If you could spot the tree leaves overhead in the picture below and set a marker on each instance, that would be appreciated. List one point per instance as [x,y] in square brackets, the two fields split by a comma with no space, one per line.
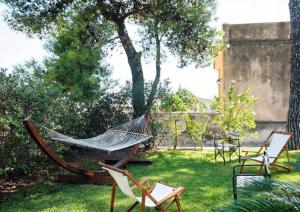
[184,29]
[178,27]
[188,31]
[183,25]
[77,62]
[35,17]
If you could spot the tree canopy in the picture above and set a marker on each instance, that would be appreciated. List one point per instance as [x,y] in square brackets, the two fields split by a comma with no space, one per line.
[180,101]
[76,62]
[178,27]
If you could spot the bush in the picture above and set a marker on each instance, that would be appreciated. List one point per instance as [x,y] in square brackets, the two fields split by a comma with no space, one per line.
[234,111]
[181,102]
[24,93]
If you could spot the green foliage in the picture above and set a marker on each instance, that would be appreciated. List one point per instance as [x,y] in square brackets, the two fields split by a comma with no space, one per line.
[234,111]
[86,29]
[183,101]
[24,93]
[183,28]
[173,103]
[77,63]
[197,129]
[267,195]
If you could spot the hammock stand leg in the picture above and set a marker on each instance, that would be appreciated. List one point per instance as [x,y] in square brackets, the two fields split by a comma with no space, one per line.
[78,175]
[137,161]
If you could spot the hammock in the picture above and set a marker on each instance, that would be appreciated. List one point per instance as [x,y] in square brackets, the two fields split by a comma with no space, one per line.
[111,140]
[117,138]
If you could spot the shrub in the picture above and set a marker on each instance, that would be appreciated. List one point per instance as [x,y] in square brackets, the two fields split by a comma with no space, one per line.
[25,93]
[183,101]
[234,111]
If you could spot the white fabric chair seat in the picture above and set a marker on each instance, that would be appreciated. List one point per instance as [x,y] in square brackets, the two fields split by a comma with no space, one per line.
[159,192]
[226,145]
[242,180]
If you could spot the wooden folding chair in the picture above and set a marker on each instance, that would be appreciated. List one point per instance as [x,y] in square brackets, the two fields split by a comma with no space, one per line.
[158,196]
[277,144]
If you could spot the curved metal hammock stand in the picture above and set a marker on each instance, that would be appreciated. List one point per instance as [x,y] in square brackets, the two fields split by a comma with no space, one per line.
[80,175]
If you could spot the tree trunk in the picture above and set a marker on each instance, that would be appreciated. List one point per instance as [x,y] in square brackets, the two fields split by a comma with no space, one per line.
[158,69]
[293,121]
[134,60]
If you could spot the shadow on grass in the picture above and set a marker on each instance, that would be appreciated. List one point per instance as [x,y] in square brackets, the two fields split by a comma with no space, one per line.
[207,184]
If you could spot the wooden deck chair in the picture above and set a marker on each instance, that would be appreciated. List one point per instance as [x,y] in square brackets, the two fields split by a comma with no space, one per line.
[158,196]
[277,144]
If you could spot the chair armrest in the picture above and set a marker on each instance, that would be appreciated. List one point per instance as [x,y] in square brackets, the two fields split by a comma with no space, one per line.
[245,165]
[177,191]
[247,158]
[250,151]
[146,181]
[253,151]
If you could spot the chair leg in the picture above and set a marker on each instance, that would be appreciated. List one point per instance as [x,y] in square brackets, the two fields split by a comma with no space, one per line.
[215,154]
[260,169]
[234,190]
[275,166]
[242,166]
[143,201]
[215,149]
[243,163]
[178,204]
[169,205]
[239,153]
[132,206]
[288,157]
[223,154]
[112,201]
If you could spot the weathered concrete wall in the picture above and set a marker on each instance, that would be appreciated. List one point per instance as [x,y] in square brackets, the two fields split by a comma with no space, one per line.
[258,57]
[261,132]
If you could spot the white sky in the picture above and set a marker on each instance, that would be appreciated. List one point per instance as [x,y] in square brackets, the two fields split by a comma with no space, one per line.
[16,48]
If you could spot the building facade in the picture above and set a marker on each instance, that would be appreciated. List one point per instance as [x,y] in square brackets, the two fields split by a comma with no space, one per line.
[257,56]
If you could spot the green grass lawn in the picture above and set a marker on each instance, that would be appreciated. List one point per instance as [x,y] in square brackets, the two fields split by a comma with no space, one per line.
[207,183]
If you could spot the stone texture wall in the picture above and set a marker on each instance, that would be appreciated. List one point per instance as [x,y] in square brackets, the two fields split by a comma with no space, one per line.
[257,56]
[253,139]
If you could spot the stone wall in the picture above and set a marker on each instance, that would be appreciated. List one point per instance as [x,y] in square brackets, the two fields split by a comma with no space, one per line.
[254,139]
[257,56]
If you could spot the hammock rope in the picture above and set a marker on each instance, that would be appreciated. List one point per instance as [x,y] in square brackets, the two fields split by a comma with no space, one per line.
[111,140]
